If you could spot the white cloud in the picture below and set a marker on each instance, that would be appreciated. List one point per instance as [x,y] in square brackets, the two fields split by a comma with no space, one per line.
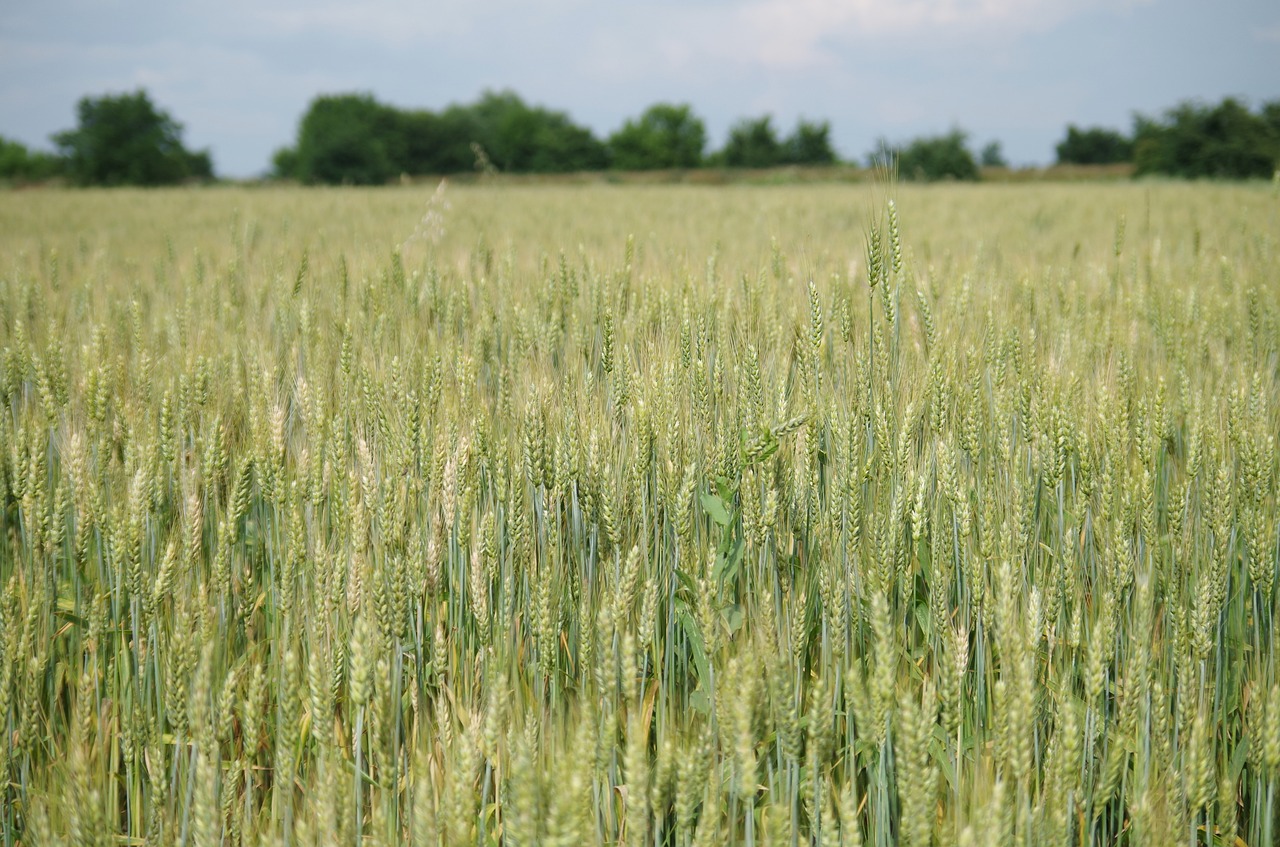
[394,23]
[774,34]
[810,35]
[1270,34]
[802,34]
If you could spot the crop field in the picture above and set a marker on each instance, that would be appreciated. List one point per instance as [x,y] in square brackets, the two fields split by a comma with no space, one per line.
[644,515]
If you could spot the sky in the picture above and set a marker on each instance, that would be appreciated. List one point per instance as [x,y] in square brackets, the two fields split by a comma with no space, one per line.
[239,74]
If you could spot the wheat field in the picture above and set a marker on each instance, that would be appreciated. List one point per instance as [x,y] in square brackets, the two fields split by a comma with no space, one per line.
[645,515]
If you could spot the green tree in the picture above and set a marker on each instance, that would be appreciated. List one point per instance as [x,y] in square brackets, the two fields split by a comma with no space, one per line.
[13,159]
[522,138]
[284,163]
[1223,141]
[20,164]
[352,138]
[993,156]
[124,139]
[348,138]
[1270,113]
[438,143]
[809,144]
[930,158]
[1094,146]
[665,136]
[753,143]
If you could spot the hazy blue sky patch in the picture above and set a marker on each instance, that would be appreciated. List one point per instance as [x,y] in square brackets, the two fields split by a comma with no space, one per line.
[239,74]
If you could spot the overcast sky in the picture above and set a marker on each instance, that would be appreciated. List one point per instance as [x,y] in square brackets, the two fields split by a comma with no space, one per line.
[238,74]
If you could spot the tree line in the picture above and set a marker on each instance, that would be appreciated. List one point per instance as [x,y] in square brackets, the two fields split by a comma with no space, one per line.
[1191,140]
[125,139]
[119,139]
[352,138]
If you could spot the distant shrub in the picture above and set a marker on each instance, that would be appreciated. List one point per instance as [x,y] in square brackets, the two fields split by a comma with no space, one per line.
[931,158]
[665,136]
[1094,146]
[20,164]
[993,156]
[124,139]
[346,138]
[753,143]
[1223,141]
[809,144]
[352,138]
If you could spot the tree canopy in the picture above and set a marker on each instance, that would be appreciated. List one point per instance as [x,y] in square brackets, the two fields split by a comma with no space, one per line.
[929,158]
[665,136]
[518,137]
[124,139]
[352,138]
[1195,140]
[1094,146]
[20,164]
[754,143]
[809,144]
[347,138]
[992,156]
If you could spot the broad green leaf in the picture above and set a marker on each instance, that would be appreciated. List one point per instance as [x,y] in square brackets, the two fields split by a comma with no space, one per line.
[696,644]
[715,507]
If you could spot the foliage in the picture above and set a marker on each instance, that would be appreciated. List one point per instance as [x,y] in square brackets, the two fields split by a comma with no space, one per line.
[1094,146]
[284,163]
[522,138]
[809,144]
[993,156]
[752,143]
[1194,140]
[352,138]
[347,138]
[20,164]
[124,139]
[930,158]
[665,136]
[439,142]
